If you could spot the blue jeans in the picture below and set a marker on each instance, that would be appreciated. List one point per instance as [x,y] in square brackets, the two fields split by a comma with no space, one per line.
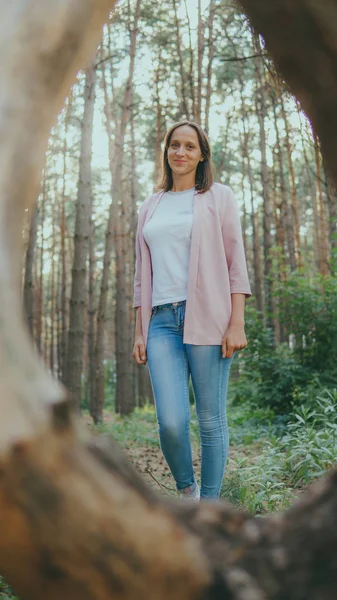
[171,363]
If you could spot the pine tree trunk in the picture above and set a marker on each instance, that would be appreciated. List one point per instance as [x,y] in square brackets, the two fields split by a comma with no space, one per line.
[289,223]
[293,193]
[39,315]
[184,99]
[191,76]
[323,248]
[160,126]
[114,235]
[28,287]
[258,285]
[91,319]
[145,393]
[261,112]
[313,199]
[63,292]
[209,87]
[330,190]
[74,361]
[199,64]
[52,294]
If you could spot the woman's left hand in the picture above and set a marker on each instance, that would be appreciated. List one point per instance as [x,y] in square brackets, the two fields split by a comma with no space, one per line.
[235,339]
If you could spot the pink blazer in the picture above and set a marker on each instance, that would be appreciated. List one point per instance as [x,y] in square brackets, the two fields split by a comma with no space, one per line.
[217,266]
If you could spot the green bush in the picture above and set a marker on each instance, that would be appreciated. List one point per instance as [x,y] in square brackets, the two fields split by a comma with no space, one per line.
[280,376]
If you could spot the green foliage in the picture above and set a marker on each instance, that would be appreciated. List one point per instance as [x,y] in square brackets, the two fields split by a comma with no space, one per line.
[311,440]
[138,428]
[280,376]
[6,592]
[308,309]
[270,477]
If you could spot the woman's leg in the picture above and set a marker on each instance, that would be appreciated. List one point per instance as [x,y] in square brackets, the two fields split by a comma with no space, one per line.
[169,376]
[210,374]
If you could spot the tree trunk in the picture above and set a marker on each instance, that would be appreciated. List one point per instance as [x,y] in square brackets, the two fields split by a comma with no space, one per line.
[199,64]
[191,76]
[258,286]
[52,292]
[284,196]
[300,37]
[209,87]
[28,287]
[74,362]
[114,235]
[184,99]
[315,225]
[292,182]
[39,315]
[160,125]
[330,190]
[91,319]
[63,293]
[145,393]
[261,112]
[323,247]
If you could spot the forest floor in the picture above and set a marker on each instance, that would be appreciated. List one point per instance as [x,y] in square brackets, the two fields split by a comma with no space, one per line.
[251,433]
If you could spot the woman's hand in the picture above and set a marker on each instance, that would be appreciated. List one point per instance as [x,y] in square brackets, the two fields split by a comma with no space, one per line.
[235,339]
[139,351]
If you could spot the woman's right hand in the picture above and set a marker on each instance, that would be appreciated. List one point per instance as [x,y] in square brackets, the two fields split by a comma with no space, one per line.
[139,353]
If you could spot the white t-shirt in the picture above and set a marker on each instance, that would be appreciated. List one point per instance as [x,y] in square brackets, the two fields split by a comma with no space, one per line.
[168,235]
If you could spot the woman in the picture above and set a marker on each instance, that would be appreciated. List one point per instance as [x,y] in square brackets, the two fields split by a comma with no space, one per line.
[190,287]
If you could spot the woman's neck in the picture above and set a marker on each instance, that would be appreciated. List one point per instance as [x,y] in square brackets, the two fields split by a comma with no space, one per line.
[181,184]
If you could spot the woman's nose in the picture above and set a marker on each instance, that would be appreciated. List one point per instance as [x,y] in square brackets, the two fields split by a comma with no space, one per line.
[180,151]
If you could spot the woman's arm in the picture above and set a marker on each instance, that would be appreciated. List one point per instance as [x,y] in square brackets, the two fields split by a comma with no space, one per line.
[139,352]
[235,337]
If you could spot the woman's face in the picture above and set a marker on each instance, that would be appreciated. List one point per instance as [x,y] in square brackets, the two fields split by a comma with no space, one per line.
[184,152]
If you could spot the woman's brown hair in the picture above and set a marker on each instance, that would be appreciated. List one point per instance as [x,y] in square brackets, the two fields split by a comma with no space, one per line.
[204,175]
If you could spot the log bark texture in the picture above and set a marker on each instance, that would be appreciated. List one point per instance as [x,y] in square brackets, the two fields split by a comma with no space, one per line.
[300,36]
[76,521]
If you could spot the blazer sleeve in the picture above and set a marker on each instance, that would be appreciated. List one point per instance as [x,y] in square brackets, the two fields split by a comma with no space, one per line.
[233,244]
[137,285]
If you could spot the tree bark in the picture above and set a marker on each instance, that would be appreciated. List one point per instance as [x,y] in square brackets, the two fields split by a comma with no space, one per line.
[184,99]
[258,286]
[63,291]
[91,322]
[292,183]
[199,63]
[114,236]
[209,87]
[28,287]
[300,37]
[74,362]
[261,112]
[191,64]
[323,247]
[284,205]
[39,315]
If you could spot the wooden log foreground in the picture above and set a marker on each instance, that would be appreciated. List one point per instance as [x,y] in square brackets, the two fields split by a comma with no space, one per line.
[76,521]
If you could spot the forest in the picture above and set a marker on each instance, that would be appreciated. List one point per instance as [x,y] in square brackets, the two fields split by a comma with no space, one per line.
[158,63]
[155,66]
